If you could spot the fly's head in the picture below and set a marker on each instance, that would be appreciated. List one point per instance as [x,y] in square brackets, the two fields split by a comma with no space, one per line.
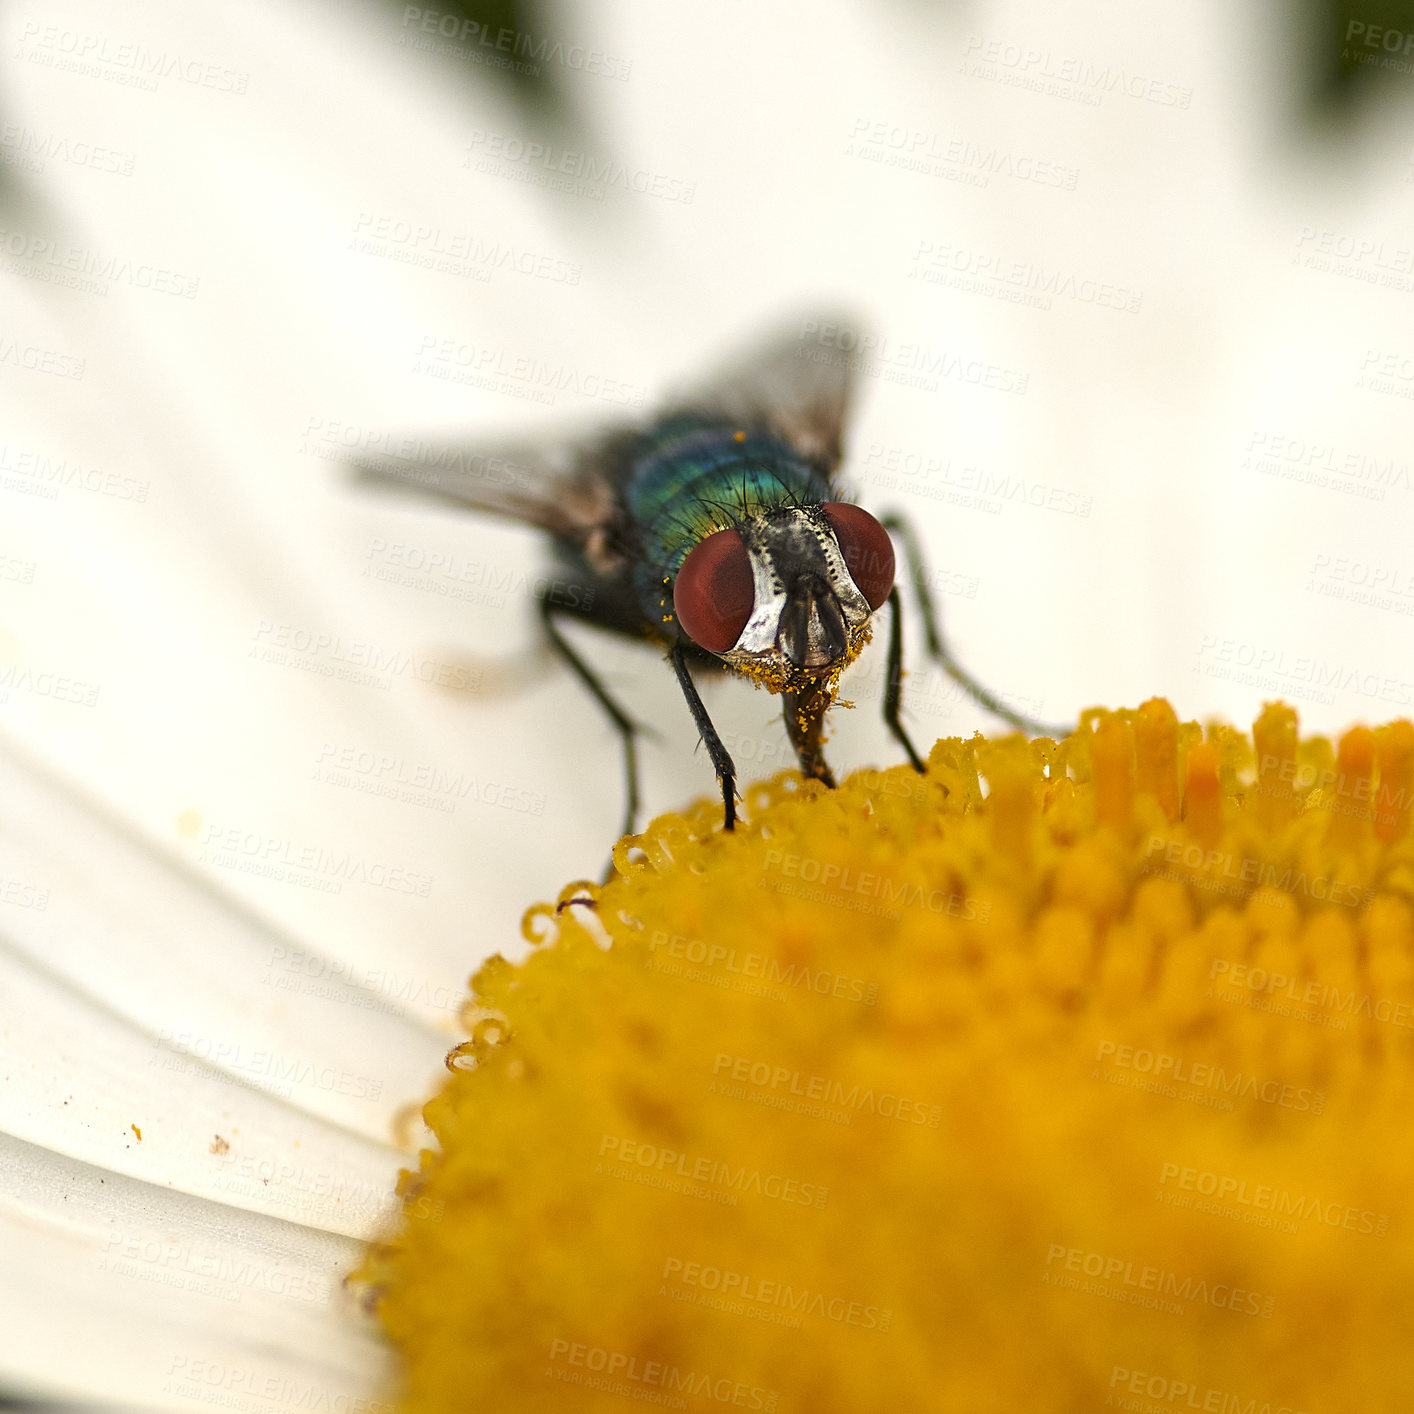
[786,597]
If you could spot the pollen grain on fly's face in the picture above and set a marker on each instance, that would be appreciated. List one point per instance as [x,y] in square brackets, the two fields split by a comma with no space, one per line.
[1065,1075]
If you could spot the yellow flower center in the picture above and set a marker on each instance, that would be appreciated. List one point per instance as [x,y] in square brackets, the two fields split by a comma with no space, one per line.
[1067,1076]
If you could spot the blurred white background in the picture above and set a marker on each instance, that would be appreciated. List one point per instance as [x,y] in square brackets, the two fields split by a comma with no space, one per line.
[1146,384]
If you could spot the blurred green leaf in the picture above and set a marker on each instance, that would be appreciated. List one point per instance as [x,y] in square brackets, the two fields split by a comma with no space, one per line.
[1356,40]
[518,26]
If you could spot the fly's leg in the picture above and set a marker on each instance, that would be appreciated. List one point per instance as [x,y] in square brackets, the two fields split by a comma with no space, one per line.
[805,721]
[721,760]
[625,725]
[939,653]
[893,685]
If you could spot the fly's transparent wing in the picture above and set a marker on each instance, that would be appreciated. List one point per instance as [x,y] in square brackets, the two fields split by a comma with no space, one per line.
[797,384]
[565,486]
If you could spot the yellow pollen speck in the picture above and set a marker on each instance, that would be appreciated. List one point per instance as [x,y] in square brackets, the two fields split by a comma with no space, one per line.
[1068,1075]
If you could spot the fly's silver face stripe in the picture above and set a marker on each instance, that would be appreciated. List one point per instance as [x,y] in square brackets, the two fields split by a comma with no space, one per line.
[758,638]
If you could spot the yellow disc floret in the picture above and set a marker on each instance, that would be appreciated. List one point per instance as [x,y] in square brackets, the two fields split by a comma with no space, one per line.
[1066,1076]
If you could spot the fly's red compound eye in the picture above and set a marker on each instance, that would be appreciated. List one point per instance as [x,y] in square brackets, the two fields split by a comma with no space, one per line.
[715,592]
[868,552]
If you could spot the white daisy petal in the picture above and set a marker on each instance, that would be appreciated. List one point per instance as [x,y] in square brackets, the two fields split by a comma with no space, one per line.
[189,1160]
[142,937]
[123,1291]
[87,1084]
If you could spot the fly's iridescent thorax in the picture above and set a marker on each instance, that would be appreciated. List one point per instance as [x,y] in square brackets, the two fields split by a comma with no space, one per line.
[697,476]
[692,476]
